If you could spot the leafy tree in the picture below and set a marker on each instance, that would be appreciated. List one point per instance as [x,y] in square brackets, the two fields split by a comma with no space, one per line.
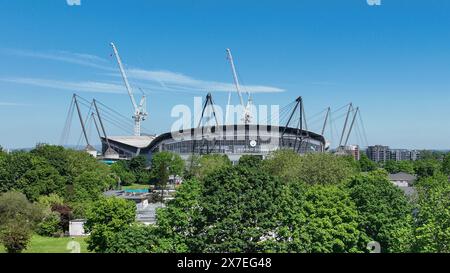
[365,164]
[174,223]
[431,155]
[432,229]
[80,162]
[135,238]
[446,164]
[15,205]
[121,169]
[40,179]
[238,209]
[50,225]
[209,164]
[385,215]
[90,185]
[56,156]
[192,166]
[284,164]
[315,219]
[250,161]
[49,200]
[173,162]
[399,166]
[15,235]
[163,165]
[65,215]
[137,166]
[427,168]
[12,168]
[311,168]
[106,217]
[18,218]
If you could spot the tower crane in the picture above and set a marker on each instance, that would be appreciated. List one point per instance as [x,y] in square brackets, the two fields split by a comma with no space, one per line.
[140,112]
[247,107]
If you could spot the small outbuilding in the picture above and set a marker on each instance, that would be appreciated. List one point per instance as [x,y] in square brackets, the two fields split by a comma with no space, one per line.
[402,179]
[76,228]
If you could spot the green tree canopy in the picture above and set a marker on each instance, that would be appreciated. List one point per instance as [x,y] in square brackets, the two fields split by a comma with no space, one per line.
[385,215]
[427,167]
[121,169]
[175,222]
[134,238]
[209,164]
[238,209]
[316,219]
[90,185]
[171,162]
[446,164]
[314,168]
[250,161]
[18,218]
[405,166]
[365,164]
[106,217]
[432,229]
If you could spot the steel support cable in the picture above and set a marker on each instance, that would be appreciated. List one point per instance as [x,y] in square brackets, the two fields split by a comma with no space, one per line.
[363,128]
[117,121]
[280,113]
[67,124]
[358,133]
[127,130]
[342,108]
[125,120]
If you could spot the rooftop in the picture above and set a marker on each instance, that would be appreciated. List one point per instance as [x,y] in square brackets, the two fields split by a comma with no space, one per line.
[134,141]
[402,177]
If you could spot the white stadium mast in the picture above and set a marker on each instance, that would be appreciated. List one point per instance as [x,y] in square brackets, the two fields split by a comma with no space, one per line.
[140,112]
[247,108]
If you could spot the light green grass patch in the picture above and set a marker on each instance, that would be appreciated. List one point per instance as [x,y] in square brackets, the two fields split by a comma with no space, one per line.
[41,244]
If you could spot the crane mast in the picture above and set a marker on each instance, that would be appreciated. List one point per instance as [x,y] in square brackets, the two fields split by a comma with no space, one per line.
[247,113]
[140,112]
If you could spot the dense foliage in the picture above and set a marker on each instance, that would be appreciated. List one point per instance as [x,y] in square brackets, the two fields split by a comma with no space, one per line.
[18,217]
[286,203]
[105,218]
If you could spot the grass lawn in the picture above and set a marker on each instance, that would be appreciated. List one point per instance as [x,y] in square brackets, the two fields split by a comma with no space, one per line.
[41,244]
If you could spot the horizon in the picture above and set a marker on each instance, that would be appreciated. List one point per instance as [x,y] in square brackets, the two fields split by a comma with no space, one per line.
[390,60]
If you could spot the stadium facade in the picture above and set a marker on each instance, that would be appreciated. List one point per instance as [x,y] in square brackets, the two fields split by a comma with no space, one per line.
[231,140]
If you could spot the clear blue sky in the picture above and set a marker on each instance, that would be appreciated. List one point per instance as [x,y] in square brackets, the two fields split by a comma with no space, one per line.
[392,60]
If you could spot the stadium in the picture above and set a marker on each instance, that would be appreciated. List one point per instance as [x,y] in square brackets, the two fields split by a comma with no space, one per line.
[234,139]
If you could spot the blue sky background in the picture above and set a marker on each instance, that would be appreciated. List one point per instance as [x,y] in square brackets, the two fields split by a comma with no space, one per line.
[393,61]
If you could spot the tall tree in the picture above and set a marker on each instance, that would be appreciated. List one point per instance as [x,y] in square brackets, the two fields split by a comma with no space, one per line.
[238,210]
[175,229]
[311,168]
[18,218]
[405,166]
[315,219]
[446,164]
[106,217]
[432,229]
[427,168]
[385,214]
[365,164]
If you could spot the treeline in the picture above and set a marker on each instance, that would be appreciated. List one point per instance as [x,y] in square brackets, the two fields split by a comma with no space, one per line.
[317,203]
[42,190]
[429,164]
[286,203]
